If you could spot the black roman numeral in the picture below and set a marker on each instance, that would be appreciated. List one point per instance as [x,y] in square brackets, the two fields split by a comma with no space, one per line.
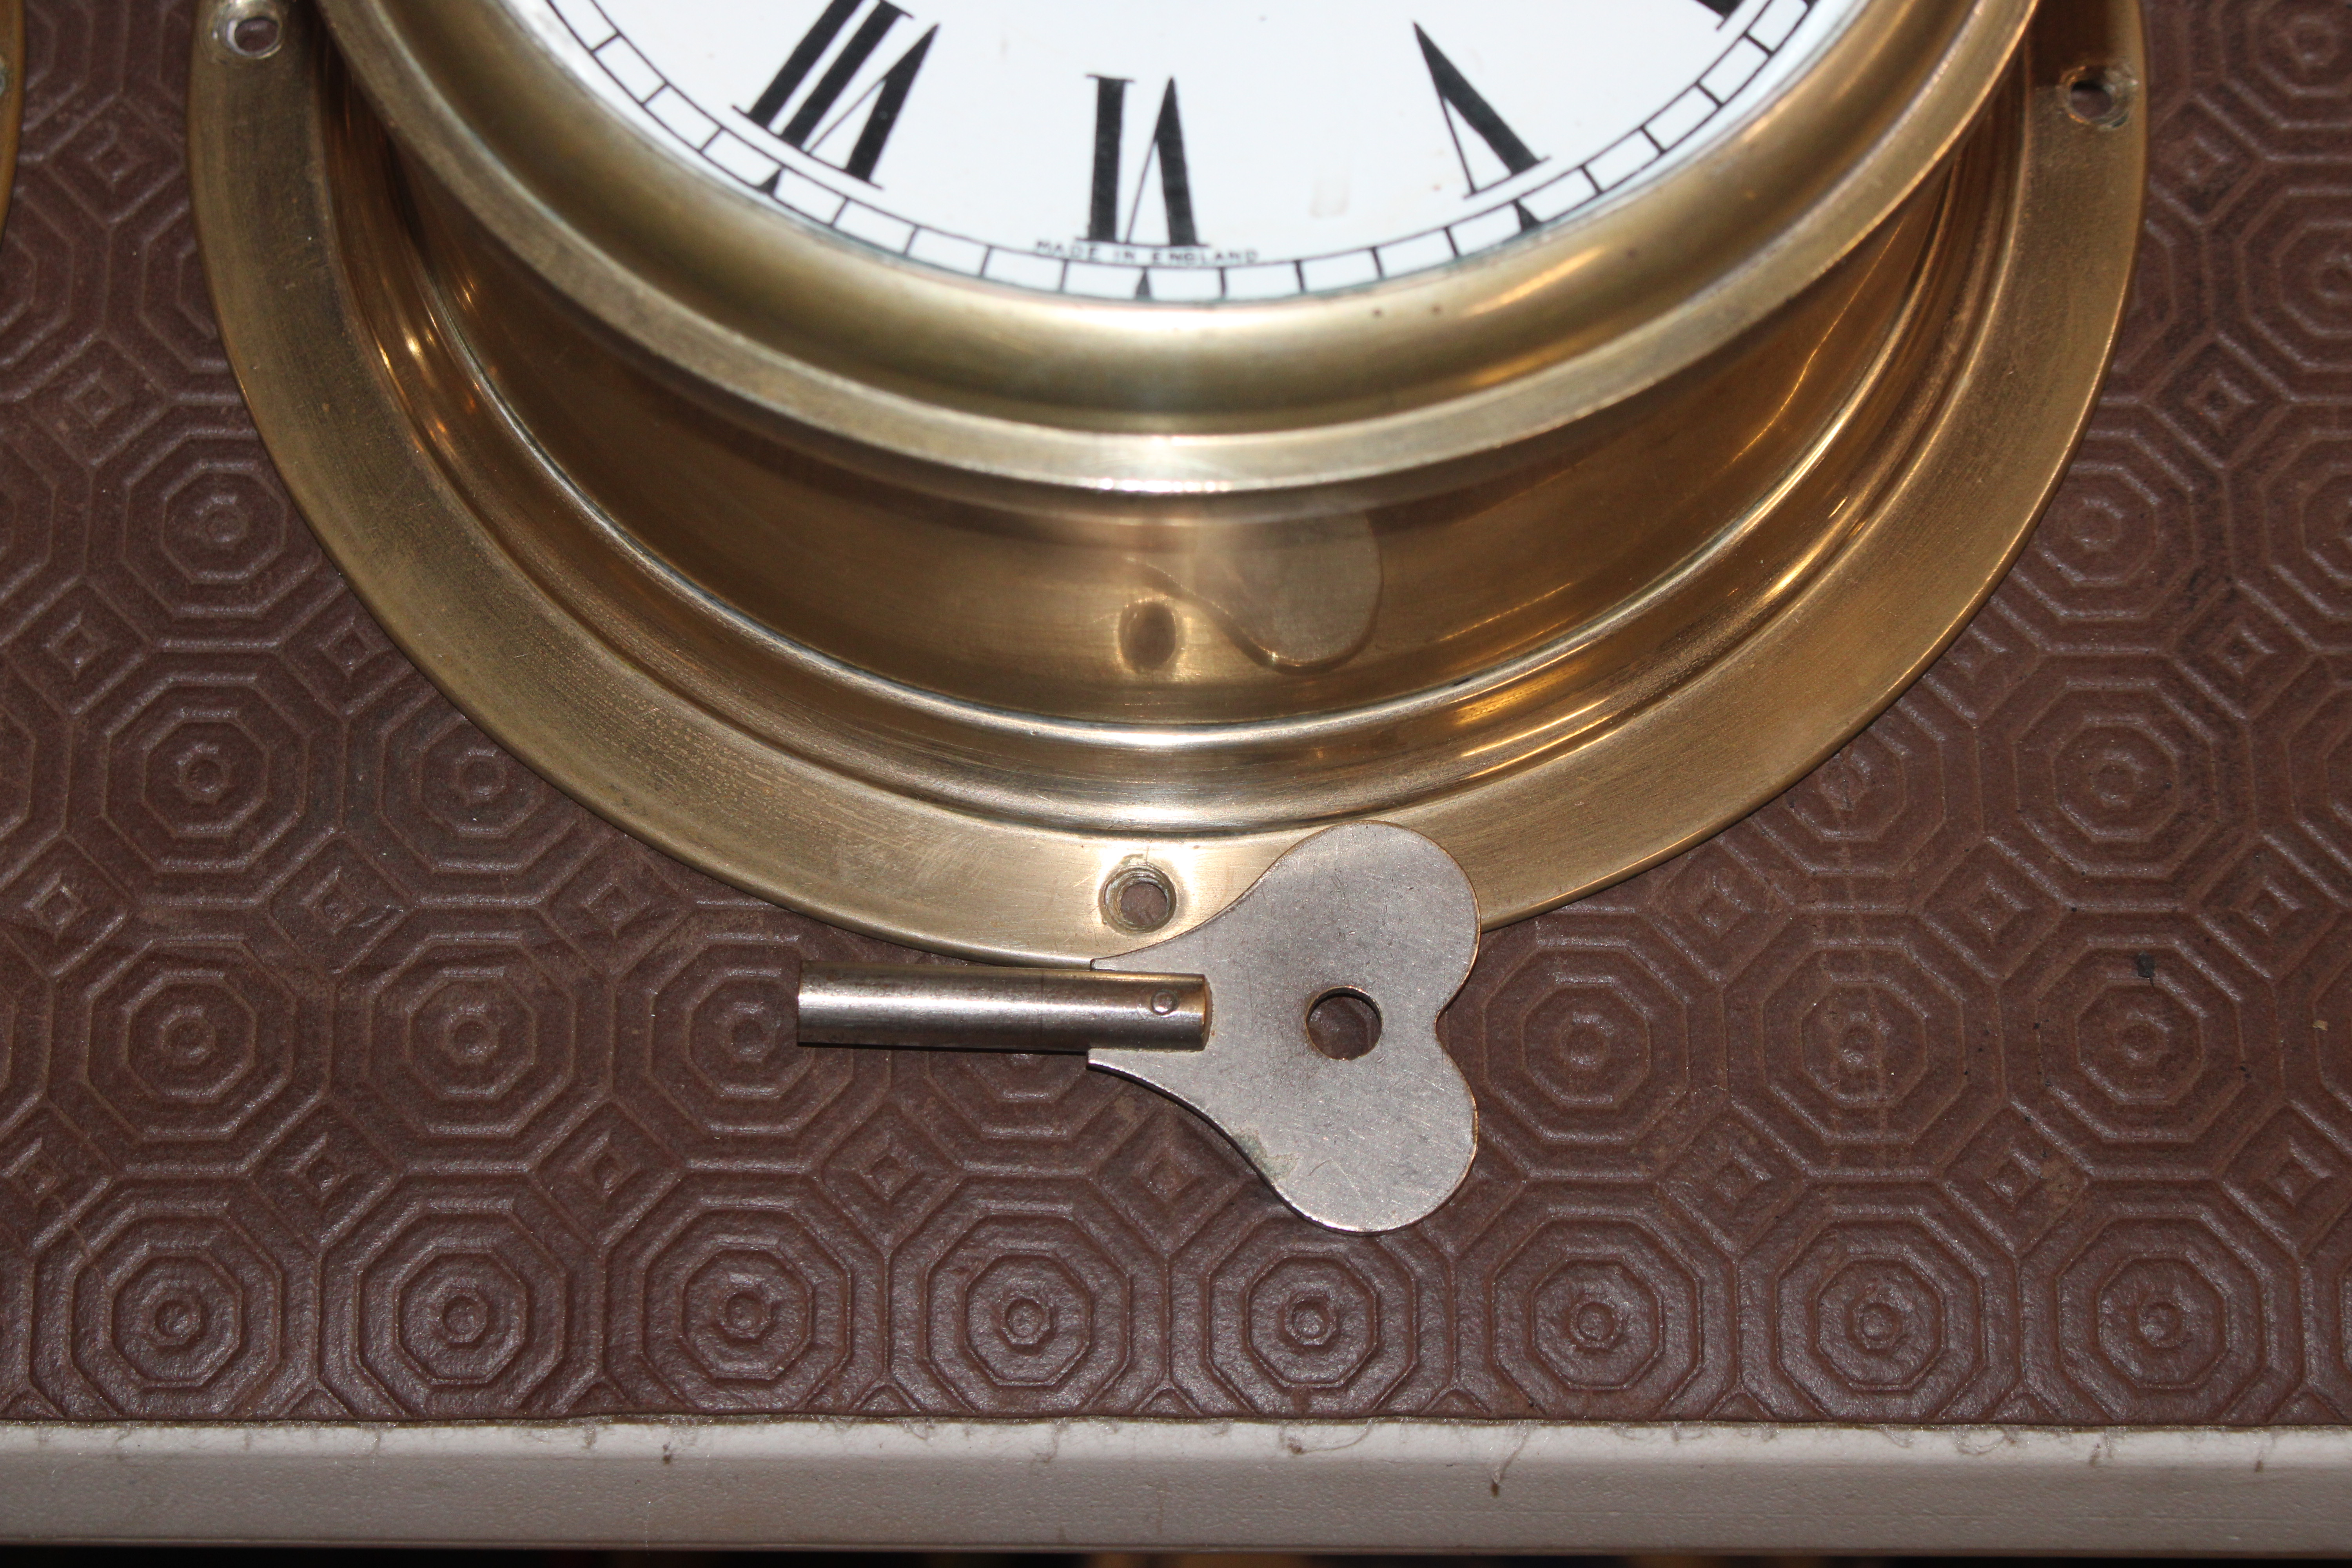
[1462,104]
[1166,156]
[809,127]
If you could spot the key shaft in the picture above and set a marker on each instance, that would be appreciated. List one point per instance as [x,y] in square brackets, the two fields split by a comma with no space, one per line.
[945,1008]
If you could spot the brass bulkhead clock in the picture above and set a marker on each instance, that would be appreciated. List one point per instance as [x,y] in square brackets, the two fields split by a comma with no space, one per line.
[951,464]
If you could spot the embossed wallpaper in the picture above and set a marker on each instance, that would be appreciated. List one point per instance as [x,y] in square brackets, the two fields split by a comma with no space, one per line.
[2002,1069]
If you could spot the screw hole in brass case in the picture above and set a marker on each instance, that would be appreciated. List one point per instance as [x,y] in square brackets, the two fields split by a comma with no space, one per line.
[1137,899]
[250,29]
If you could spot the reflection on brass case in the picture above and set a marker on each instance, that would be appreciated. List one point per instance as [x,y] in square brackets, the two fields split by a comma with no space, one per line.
[1562,569]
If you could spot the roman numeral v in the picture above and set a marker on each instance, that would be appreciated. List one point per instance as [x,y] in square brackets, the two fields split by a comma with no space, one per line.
[814,122]
[1463,105]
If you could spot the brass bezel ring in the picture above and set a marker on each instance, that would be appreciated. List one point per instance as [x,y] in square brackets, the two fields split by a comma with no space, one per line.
[833,339]
[1891,586]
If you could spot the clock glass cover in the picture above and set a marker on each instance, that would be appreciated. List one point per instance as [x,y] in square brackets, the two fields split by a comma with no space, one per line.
[1219,150]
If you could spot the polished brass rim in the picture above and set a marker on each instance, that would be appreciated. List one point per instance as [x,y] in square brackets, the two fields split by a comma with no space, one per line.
[1963,458]
[909,363]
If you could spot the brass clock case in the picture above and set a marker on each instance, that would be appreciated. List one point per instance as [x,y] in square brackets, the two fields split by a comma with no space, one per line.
[965,703]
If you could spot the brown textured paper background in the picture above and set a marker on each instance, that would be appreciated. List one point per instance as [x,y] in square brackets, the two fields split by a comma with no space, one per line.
[2001,1071]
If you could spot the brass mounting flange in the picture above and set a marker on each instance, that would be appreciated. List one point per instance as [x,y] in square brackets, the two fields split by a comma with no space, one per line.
[958,718]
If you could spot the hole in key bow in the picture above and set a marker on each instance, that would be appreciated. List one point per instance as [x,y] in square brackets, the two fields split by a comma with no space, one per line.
[1343,1023]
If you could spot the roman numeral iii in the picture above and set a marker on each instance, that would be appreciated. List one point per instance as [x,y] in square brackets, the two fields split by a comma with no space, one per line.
[809,128]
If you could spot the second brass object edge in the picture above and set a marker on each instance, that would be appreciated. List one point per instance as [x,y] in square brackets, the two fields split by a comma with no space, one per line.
[12,97]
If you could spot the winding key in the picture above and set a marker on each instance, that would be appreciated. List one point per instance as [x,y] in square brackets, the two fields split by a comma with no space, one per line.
[1216,1017]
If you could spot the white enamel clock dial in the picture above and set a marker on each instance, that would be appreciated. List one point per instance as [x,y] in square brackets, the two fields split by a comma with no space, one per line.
[1209,151]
